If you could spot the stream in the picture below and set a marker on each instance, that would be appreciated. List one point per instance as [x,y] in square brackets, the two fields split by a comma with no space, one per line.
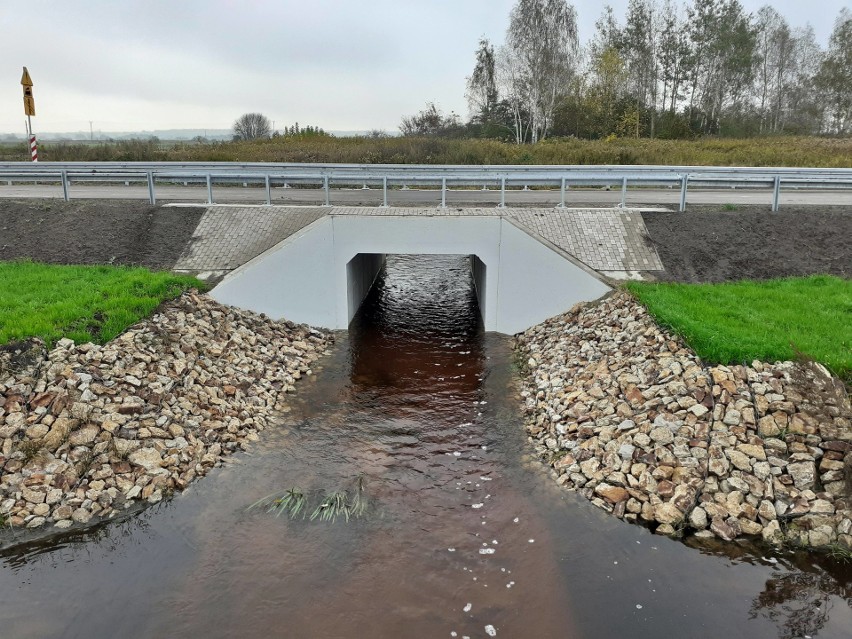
[464,533]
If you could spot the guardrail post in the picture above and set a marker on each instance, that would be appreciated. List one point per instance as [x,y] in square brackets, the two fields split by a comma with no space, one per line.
[65,195]
[209,189]
[776,194]
[268,189]
[623,191]
[561,204]
[152,197]
[384,192]
[325,189]
[443,192]
[683,180]
[502,192]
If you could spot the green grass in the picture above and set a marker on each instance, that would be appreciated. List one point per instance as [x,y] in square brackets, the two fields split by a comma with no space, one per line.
[773,320]
[84,303]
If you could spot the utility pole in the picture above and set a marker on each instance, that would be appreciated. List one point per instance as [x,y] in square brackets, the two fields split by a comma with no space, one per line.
[91,132]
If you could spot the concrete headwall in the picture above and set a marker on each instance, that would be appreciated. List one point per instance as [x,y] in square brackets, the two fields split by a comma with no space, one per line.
[320,275]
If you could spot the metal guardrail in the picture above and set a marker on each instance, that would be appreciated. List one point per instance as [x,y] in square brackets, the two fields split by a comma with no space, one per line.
[326,175]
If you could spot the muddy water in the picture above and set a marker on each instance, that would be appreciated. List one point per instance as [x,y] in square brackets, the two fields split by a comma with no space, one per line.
[462,534]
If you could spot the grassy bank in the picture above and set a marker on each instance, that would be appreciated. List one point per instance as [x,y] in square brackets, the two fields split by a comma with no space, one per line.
[738,322]
[768,151]
[84,303]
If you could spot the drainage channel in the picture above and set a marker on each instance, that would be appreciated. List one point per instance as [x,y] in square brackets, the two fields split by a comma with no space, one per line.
[460,532]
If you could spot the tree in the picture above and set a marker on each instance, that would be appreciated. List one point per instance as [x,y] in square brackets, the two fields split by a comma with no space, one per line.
[722,59]
[482,96]
[805,107]
[673,55]
[537,62]
[252,126]
[639,42]
[835,75]
[606,91]
[775,64]
[431,122]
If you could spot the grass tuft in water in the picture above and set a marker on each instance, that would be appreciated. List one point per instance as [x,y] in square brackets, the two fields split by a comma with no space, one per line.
[839,553]
[334,505]
[331,506]
[290,501]
[359,501]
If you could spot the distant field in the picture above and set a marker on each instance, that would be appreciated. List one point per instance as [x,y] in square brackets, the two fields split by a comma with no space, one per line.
[769,151]
[737,322]
[84,303]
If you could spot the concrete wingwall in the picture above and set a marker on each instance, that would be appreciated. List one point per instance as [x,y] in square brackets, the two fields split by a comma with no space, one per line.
[321,274]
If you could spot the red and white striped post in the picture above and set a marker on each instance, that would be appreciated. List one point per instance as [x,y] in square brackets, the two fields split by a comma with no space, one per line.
[33,147]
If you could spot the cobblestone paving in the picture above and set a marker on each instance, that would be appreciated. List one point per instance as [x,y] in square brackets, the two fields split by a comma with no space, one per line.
[229,236]
[604,239]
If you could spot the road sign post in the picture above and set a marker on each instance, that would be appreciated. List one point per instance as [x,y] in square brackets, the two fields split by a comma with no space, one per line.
[29,111]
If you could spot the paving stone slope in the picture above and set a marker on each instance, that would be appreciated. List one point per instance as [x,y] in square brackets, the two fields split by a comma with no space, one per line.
[229,236]
[628,416]
[87,430]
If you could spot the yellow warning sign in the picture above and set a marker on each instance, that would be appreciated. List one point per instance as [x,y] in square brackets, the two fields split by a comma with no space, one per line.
[29,100]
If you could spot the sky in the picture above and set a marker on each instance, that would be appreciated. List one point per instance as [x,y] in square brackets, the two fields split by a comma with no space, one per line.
[128,65]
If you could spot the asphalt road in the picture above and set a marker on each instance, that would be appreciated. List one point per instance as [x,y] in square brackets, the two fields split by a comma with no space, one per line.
[422,197]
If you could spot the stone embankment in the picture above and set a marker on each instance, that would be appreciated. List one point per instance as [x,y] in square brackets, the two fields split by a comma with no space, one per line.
[629,416]
[88,430]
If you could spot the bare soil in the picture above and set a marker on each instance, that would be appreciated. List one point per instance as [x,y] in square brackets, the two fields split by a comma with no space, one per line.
[95,232]
[706,244]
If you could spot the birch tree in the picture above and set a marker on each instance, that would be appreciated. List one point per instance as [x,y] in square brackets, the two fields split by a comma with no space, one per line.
[537,63]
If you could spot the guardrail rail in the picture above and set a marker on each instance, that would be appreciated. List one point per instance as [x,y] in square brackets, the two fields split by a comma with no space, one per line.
[388,175]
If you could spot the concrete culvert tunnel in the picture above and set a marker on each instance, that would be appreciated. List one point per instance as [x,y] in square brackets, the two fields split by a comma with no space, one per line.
[321,275]
[364,269]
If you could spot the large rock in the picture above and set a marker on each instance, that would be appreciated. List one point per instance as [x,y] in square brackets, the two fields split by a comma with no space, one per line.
[803,474]
[149,459]
[667,513]
[613,494]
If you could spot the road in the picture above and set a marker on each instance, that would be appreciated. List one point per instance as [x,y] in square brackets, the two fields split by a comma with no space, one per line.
[426,197]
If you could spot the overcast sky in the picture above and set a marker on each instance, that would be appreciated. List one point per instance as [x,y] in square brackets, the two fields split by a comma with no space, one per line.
[340,64]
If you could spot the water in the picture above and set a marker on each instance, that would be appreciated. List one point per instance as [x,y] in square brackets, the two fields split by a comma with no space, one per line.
[463,532]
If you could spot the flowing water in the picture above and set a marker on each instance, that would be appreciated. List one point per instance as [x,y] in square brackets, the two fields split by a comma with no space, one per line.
[463,535]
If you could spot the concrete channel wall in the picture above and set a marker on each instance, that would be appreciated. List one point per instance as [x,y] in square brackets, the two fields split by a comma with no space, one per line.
[321,274]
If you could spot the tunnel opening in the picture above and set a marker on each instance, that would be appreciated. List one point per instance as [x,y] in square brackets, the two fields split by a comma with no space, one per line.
[450,285]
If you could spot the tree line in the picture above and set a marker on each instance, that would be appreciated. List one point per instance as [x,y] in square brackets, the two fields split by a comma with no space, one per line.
[667,69]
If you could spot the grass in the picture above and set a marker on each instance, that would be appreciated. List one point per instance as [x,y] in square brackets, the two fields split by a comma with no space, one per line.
[329,507]
[291,502]
[772,320]
[761,151]
[84,303]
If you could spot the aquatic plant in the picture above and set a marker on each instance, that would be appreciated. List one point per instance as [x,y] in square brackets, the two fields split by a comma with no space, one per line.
[291,501]
[334,504]
[331,506]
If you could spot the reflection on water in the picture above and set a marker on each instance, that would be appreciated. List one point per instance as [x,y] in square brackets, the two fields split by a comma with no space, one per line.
[462,531]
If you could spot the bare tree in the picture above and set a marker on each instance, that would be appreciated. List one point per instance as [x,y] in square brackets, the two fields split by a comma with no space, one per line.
[537,62]
[252,126]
